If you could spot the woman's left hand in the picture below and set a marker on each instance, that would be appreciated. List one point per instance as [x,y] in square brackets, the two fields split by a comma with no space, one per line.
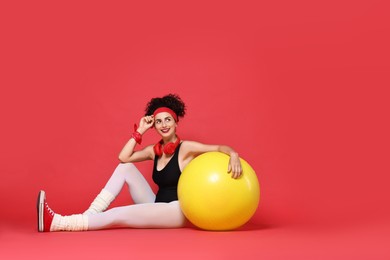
[235,166]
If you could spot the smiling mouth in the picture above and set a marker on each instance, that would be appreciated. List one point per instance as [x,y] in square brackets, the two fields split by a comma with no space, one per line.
[165,130]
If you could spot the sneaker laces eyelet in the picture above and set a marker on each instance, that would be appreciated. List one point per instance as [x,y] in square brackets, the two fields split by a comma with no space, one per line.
[51,212]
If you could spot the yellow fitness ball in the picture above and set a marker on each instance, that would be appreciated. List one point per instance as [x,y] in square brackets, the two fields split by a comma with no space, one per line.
[211,199]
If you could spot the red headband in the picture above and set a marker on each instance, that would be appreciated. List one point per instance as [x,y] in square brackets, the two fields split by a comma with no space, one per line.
[165,109]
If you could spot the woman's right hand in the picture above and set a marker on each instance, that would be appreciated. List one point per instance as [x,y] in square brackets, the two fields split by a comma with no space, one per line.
[145,123]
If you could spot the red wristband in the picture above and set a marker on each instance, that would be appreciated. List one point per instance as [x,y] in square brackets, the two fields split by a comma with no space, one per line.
[136,135]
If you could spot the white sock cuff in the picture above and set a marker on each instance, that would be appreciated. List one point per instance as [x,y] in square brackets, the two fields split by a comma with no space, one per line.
[107,195]
[76,222]
[101,202]
[55,223]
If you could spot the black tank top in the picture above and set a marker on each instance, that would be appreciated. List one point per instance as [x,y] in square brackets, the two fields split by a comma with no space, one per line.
[168,178]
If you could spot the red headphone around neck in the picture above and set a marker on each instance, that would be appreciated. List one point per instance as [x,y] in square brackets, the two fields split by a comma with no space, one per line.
[168,148]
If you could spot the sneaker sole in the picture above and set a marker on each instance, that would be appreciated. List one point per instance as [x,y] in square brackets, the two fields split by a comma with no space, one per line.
[40,210]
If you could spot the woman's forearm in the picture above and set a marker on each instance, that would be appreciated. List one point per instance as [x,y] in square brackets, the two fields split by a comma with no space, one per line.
[127,150]
[227,150]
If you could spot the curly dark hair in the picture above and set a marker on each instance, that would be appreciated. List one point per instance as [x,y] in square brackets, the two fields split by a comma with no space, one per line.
[172,101]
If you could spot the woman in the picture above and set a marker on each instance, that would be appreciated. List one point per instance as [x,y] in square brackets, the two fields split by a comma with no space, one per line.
[170,155]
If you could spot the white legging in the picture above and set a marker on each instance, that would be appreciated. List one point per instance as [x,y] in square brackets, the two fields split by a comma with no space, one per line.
[145,213]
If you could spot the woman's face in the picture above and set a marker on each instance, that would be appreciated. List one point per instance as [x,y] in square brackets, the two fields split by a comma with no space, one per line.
[165,124]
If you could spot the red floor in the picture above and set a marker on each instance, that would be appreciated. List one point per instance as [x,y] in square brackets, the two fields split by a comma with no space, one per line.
[366,241]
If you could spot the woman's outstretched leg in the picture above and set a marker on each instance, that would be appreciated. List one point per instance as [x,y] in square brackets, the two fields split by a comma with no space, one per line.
[147,215]
[140,190]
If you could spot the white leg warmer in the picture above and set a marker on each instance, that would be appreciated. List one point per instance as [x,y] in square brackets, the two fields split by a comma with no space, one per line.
[76,222]
[101,202]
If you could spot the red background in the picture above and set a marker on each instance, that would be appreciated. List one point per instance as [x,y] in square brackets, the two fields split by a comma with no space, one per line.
[298,88]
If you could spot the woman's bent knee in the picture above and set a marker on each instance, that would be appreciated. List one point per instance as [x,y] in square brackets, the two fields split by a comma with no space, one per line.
[126,168]
[126,165]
